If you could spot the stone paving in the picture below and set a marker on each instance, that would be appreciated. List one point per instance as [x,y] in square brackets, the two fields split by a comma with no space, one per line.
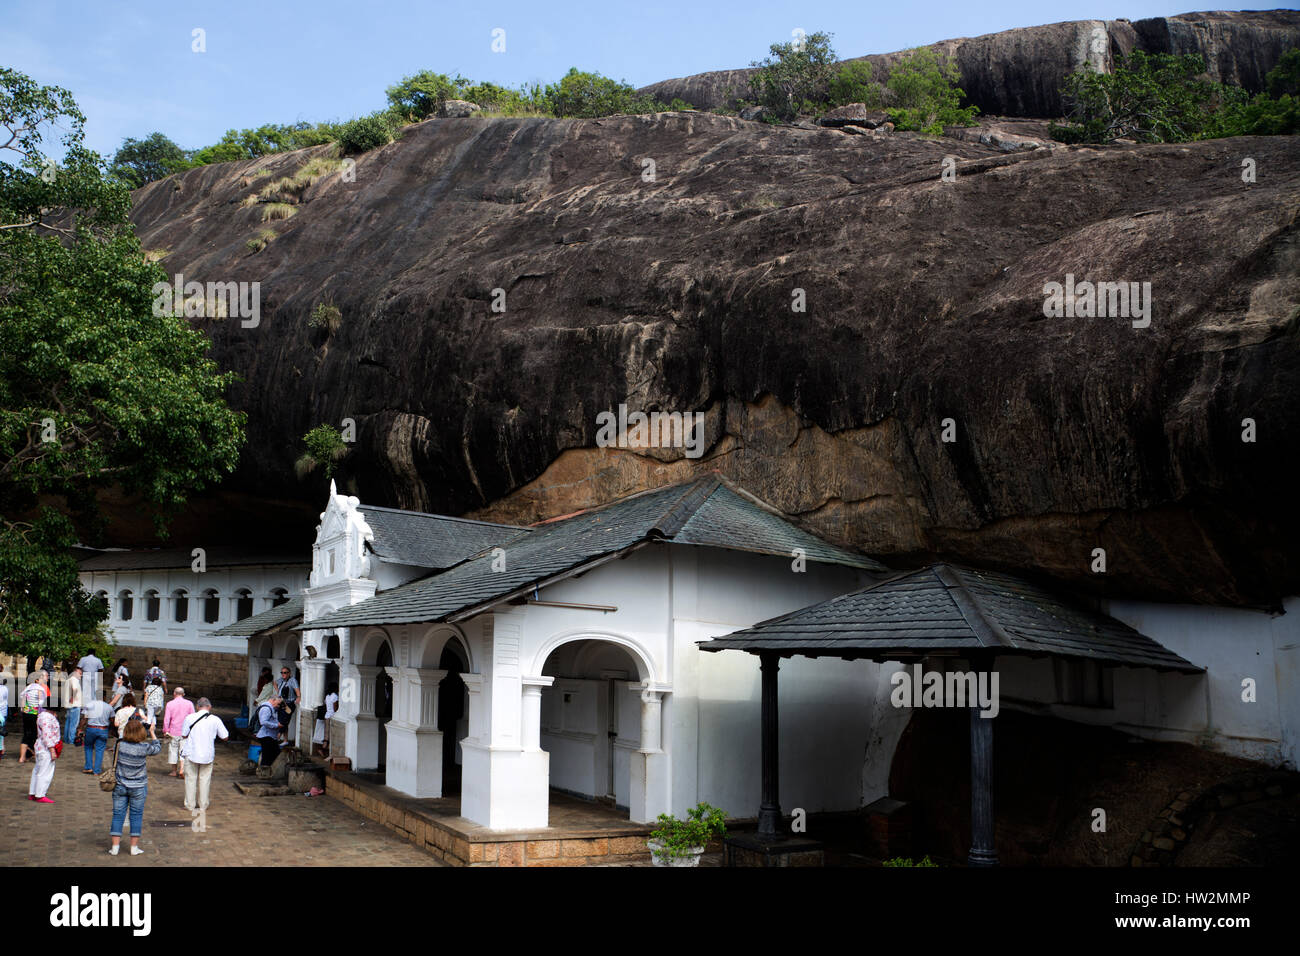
[241,830]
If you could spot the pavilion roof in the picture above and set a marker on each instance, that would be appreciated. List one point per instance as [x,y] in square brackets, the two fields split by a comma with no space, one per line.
[288,612]
[949,610]
[708,512]
[431,541]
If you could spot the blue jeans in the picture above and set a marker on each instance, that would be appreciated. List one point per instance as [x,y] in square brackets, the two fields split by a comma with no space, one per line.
[96,741]
[70,724]
[123,798]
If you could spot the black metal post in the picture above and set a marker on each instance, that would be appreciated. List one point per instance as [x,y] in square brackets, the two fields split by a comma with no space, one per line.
[982,852]
[769,811]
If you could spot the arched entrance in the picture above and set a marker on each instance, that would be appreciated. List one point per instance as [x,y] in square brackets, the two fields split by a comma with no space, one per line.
[453,713]
[591,718]
[383,699]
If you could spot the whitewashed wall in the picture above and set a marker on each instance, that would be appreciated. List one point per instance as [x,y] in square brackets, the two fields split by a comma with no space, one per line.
[195,633]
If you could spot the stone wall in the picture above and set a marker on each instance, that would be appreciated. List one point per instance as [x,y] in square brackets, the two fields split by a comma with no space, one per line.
[221,677]
[456,849]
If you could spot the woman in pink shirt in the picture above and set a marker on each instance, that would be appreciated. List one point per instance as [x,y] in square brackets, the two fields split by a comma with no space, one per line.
[178,708]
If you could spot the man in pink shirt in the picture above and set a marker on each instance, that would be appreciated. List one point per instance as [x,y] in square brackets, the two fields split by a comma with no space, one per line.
[177,709]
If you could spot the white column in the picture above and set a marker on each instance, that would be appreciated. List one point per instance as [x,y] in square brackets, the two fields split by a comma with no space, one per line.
[531,719]
[312,695]
[414,758]
[367,752]
[651,721]
[651,792]
[504,785]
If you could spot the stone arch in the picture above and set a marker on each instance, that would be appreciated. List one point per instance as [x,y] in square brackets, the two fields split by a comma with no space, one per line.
[286,645]
[366,650]
[435,640]
[643,659]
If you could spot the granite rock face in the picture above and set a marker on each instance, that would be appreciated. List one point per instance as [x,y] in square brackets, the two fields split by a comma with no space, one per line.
[1019,72]
[923,320]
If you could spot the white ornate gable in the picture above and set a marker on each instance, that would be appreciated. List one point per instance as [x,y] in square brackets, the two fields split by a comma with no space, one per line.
[339,552]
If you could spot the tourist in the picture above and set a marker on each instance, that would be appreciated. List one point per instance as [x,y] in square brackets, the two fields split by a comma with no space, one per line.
[119,691]
[138,743]
[268,731]
[90,667]
[129,710]
[153,699]
[178,708]
[4,710]
[156,673]
[34,696]
[286,688]
[72,701]
[263,679]
[97,715]
[321,734]
[121,670]
[201,730]
[47,747]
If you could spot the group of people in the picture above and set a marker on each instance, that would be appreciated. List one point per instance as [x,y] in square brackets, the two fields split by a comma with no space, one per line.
[191,730]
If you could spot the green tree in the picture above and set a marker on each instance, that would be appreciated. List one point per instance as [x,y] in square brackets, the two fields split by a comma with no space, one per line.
[589,95]
[923,93]
[1149,98]
[141,161]
[796,77]
[325,449]
[96,390]
[1273,113]
[422,94]
[366,133]
[855,83]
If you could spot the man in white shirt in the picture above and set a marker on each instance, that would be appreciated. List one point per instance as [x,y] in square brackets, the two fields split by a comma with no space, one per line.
[72,701]
[90,667]
[200,732]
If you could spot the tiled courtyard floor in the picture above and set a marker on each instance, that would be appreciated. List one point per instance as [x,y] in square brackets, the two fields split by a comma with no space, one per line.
[241,830]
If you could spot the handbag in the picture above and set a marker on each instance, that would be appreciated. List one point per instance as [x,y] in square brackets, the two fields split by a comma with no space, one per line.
[108,780]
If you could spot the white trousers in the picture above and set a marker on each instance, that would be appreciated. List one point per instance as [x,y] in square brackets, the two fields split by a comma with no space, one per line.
[42,774]
[174,751]
[197,775]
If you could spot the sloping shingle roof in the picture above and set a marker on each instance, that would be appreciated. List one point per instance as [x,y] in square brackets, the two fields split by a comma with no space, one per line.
[950,609]
[256,623]
[431,541]
[704,512]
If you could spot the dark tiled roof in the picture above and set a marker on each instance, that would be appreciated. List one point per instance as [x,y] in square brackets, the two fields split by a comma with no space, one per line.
[290,610]
[216,556]
[953,610]
[431,541]
[705,512]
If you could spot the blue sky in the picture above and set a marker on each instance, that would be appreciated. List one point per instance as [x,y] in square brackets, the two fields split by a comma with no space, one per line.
[132,70]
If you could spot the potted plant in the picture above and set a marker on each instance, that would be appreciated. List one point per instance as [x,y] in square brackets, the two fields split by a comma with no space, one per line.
[681,842]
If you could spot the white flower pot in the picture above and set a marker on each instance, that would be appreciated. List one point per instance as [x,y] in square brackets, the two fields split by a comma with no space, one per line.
[692,859]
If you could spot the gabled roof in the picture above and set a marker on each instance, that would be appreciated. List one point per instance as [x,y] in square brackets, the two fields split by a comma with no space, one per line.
[951,610]
[706,512]
[288,612]
[215,556]
[431,541]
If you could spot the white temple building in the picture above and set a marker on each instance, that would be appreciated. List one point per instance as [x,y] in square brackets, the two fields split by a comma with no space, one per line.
[501,662]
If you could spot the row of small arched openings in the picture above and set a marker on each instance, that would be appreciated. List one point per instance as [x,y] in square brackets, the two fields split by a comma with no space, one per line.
[209,604]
